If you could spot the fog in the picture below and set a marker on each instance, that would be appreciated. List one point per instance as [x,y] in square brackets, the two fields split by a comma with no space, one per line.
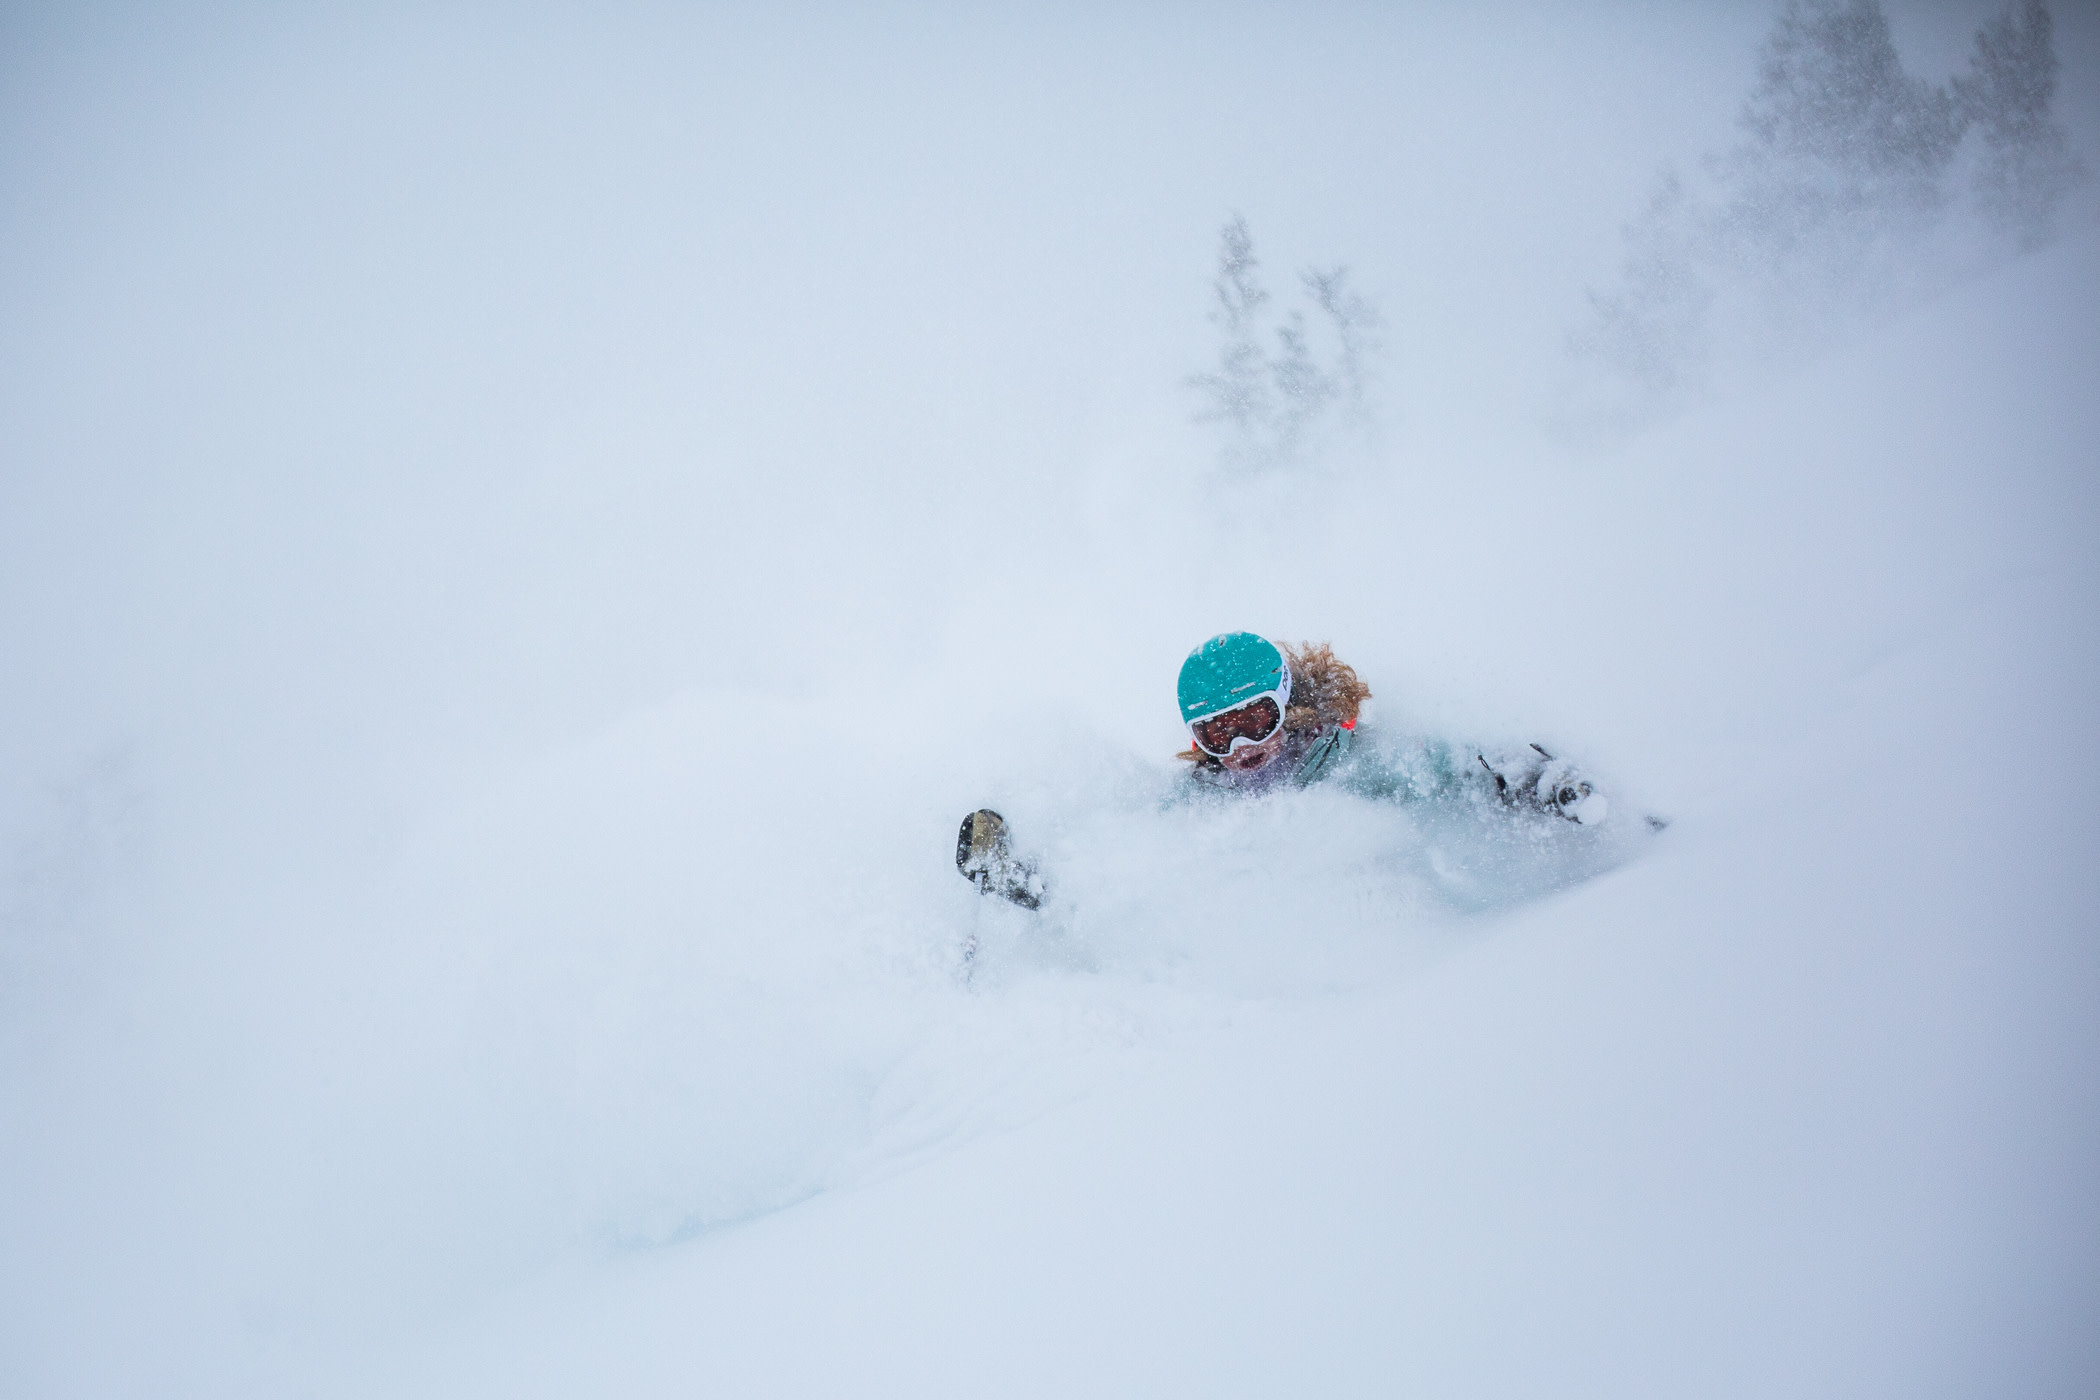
[521,533]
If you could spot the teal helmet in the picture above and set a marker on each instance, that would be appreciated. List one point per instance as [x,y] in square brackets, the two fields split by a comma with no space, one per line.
[1230,670]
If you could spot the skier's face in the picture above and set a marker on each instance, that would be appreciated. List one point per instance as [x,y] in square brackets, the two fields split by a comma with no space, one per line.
[1253,756]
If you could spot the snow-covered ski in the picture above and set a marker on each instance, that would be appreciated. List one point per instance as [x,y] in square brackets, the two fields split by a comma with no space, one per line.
[984,855]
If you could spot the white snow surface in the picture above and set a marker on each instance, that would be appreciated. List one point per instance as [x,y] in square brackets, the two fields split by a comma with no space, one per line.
[521,536]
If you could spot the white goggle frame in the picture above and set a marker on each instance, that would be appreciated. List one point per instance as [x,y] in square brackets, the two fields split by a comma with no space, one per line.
[1281,695]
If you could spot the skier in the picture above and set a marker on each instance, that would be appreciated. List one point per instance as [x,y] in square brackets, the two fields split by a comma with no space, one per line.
[1259,714]
[1263,716]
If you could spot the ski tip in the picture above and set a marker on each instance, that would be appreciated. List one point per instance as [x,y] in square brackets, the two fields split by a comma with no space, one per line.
[982,833]
[984,855]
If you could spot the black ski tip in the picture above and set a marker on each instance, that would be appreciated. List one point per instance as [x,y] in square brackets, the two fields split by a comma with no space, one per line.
[984,855]
[983,833]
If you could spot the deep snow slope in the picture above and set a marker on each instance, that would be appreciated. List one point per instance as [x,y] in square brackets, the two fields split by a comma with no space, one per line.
[1799,1103]
[522,533]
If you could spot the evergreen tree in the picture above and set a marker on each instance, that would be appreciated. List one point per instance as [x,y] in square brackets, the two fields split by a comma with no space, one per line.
[1837,201]
[1239,390]
[2026,167]
[1845,147]
[1277,404]
[1358,330]
[1652,327]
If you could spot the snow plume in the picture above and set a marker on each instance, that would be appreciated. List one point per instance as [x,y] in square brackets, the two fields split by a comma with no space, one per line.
[1857,189]
[524,529]
[1281,405]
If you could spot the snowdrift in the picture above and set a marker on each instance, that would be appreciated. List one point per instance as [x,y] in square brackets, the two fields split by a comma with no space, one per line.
[1793,1104]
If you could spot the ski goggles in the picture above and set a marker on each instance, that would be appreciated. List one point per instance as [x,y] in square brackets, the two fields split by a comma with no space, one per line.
[1251,722]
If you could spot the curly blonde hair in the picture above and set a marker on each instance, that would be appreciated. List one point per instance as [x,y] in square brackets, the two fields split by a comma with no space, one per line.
[1324,690]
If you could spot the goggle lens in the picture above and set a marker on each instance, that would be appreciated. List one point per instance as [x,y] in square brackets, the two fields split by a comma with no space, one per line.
[1254,723]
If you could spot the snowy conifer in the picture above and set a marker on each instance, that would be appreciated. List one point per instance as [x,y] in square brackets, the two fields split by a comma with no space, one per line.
[2026,167]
